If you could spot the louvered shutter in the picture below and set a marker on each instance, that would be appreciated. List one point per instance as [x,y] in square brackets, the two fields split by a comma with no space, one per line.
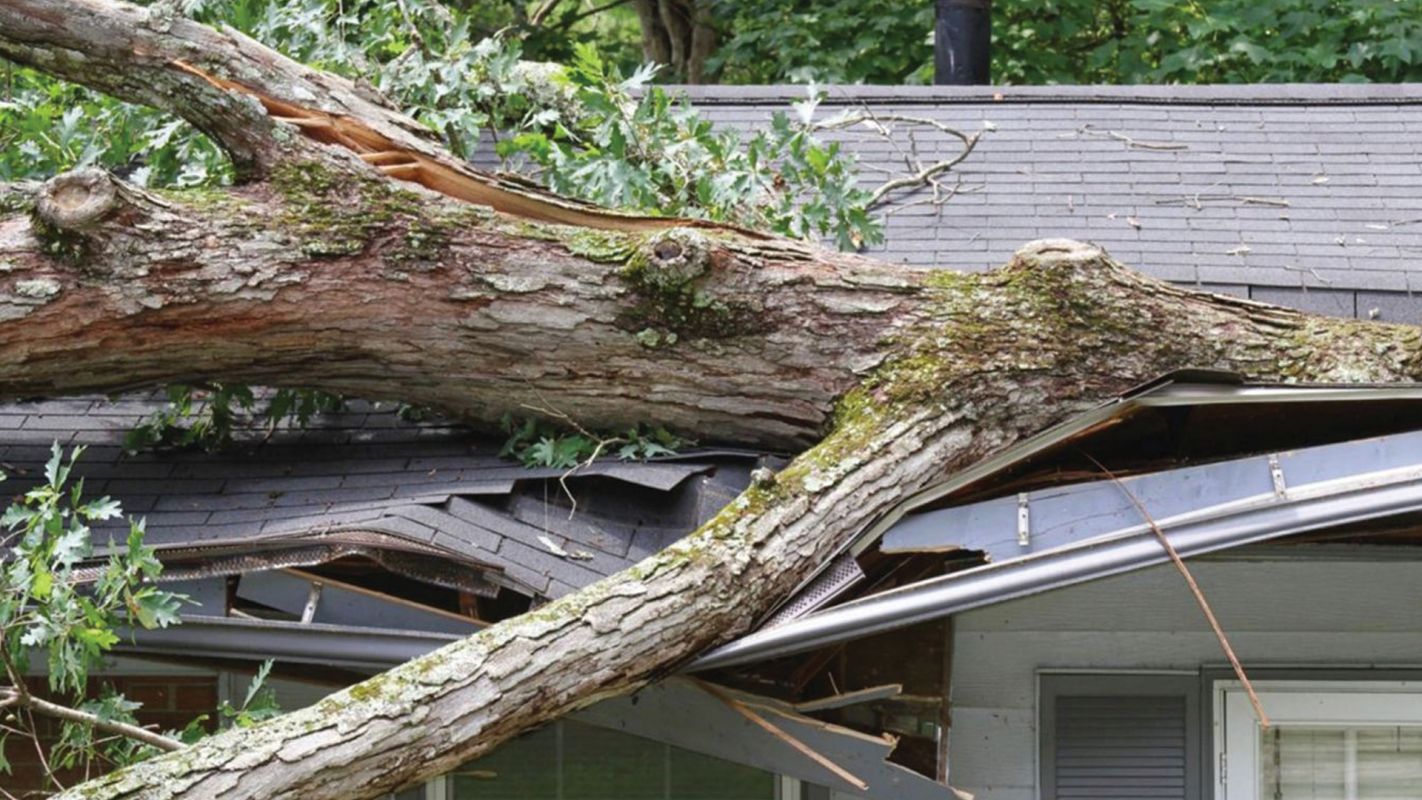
[1132,737]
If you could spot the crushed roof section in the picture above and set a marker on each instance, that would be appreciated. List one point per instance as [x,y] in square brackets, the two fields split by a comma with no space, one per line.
[1304,195]
[367,469]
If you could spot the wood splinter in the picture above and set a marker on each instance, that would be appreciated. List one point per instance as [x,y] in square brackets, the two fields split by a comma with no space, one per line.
[779,733]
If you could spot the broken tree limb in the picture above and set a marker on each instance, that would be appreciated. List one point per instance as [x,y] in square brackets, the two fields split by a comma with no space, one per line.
[320,271]
[11,698]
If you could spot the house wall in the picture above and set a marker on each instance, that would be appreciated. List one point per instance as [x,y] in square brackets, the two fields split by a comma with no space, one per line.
[1304,613]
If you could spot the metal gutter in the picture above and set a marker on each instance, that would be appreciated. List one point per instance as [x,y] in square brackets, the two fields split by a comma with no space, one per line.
[1038,521]
[1166,393]
[1340,501]
[312,643]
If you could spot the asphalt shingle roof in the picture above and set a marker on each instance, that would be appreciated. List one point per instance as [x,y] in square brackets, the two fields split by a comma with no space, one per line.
[366,469]
[1303,195]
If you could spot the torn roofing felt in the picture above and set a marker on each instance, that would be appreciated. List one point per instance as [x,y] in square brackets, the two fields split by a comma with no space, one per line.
[366,482]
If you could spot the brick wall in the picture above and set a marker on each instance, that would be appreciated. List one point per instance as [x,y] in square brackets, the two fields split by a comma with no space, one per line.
[169,703]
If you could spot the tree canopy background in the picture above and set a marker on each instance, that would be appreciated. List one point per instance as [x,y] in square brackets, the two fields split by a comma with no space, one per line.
[1034,42]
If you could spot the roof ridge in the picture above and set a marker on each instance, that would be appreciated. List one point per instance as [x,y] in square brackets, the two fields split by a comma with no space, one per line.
[1267,94]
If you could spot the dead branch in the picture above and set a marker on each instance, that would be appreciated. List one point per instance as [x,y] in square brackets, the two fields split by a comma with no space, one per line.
[1194,200]
[921,174]
[1194,589]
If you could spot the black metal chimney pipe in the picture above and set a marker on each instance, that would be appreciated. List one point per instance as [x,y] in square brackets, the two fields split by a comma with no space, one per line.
[962,40]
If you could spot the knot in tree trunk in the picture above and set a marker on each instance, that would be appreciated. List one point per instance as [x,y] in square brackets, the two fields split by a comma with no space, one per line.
[1049,253]
[73,202]
[676,257]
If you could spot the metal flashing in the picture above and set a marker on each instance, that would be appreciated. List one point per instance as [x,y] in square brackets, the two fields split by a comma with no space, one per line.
[1165,393]
[1329,486]
[310,643]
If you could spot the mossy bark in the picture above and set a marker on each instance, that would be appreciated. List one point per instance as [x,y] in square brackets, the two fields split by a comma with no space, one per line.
[989,359]
[319,272]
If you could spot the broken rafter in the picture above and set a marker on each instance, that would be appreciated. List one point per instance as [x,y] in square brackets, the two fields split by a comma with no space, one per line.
[869,695]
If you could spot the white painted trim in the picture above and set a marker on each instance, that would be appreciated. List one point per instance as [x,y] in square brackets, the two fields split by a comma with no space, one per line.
[1352,703]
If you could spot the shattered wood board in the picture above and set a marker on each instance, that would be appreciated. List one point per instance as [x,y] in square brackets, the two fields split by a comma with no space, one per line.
[680,713]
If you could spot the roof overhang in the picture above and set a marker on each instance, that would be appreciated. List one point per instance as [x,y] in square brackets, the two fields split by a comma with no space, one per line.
[1056,537]
[356,647]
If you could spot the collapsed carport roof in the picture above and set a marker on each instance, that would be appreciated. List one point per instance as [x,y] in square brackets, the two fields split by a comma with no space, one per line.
[1037,539]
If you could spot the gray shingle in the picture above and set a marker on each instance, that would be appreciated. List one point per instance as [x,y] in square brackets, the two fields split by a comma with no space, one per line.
[1329,302]
[1240,142]
[1398,307]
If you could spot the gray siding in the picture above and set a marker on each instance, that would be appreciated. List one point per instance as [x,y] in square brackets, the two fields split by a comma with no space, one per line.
[1340,613]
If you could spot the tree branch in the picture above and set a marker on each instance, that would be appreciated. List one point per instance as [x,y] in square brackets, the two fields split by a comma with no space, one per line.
[346,283]
[16,698]
[921,174]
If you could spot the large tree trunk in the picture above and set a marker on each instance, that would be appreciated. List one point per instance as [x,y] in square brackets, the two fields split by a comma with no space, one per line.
[322,270]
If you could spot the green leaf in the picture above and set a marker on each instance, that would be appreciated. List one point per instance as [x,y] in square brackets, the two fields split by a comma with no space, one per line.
[155,609]
[42,584]
[52,466]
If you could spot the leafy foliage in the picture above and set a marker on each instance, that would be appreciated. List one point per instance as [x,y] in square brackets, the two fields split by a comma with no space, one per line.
[537,443]
[259,704]
[1080,41]
[47,610]
[207,417]
[1227,41]
[829,41]
[624,143]
[47,127]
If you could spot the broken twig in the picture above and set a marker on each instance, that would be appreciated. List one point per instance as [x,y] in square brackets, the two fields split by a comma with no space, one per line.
[1194,589]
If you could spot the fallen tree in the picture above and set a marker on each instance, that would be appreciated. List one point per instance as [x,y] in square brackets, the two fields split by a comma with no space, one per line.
[357,256]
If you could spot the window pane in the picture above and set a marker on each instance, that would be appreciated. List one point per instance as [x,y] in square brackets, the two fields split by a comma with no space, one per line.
[598,764]
[1341,763]
[701,777]
[523,769]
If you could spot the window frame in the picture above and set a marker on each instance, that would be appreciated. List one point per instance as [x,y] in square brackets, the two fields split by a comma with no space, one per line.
[1359,703]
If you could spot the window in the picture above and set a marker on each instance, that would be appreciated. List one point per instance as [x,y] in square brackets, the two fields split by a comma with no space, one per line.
[1119,736]
[569,760]
[1357,740]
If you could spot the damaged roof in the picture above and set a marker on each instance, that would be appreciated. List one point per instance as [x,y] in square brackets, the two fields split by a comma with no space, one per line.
[1224,467]
[429,488]
[1307,196]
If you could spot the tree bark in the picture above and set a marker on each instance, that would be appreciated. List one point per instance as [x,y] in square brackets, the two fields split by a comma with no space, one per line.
[439,285]
[680,34]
